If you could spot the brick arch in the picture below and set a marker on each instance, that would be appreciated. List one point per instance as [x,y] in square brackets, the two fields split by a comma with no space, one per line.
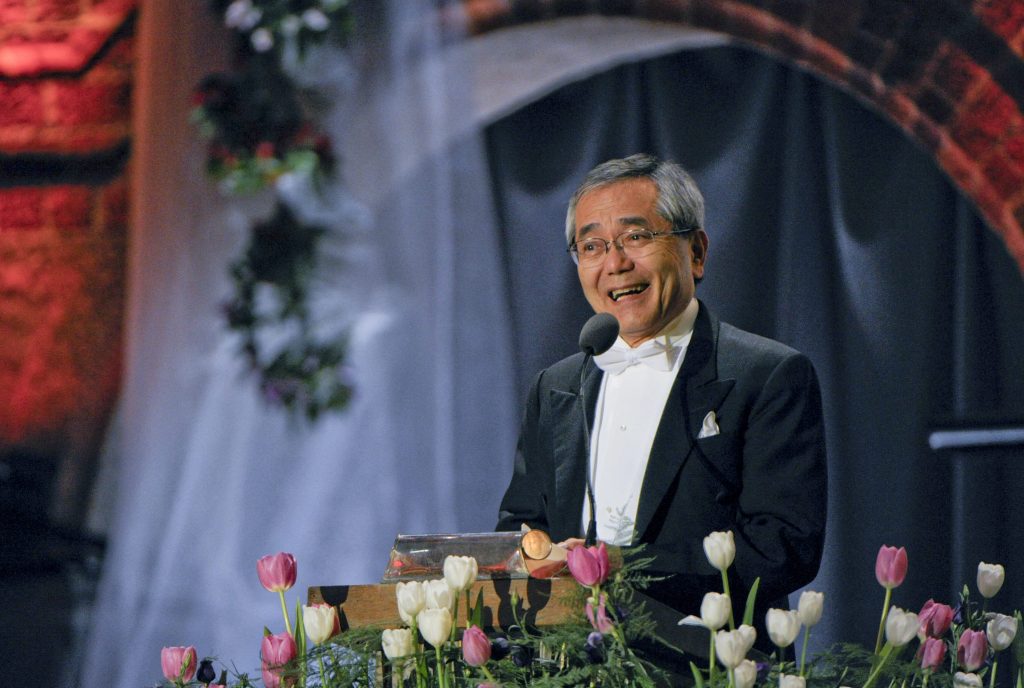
[951,77]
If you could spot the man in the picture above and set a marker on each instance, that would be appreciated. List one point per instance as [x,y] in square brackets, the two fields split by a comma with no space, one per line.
[697,426]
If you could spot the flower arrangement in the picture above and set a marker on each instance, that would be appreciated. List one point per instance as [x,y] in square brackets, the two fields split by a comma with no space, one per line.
[261,127]
[957,647]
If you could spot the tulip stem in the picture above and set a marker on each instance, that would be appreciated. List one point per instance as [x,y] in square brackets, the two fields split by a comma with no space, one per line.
[881,625]
[441,677]
[284,611]
[992,676]
[711,661]
[323,671]
[873,676]
[803,651]
[725,589]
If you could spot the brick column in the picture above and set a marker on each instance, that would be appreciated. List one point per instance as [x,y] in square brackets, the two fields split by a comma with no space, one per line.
[65,86]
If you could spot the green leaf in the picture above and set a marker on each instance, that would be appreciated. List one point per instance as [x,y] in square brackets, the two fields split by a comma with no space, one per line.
[748,611]
[477,616]
[698,678]
[300,630]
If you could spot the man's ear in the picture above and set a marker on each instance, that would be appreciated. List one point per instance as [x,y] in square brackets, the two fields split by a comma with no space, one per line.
[699,250]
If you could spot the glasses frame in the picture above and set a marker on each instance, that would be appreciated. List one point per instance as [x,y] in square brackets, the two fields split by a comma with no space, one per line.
[574,253]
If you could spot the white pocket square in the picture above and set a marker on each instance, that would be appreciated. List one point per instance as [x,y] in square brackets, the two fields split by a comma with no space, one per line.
[709,428]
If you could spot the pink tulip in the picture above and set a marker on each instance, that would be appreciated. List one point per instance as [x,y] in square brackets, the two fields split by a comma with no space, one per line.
[599,617]
[276,651]
[276,571]
[972,650]
[172,660]
[932,652]
[891,566]
[476,647]
[935,619]
[589,565]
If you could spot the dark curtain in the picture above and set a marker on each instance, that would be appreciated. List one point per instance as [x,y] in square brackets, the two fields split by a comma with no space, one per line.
[833,233]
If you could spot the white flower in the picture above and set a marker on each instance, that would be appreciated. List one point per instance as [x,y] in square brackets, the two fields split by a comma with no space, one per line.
[790,681]
[411,600]
[1001,630]
[397,643]
[460,572]
[720,549]
[262,40]
[435,625]
[714,610]
[901,627]
[438,595]
[745,674]
[290,25]
[962,680]
[783,626]
[319,621]
[732,646]
[315,19]
[241,15]
[810,607]
[990,579]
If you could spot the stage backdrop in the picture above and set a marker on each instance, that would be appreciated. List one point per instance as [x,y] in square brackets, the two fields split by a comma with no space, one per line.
[828,231]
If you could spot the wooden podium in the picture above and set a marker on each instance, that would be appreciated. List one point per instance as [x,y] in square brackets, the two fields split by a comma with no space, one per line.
[540,602]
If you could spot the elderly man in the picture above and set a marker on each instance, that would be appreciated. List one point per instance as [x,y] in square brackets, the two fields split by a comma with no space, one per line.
[697,426]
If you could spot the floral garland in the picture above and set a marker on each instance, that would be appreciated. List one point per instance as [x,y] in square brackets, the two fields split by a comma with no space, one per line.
[959,647]
[260,126]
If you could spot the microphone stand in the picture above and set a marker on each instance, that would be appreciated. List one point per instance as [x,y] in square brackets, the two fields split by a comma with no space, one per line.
[591,536]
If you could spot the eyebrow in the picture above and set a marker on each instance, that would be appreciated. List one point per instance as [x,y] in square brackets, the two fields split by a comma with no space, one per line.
[632,221]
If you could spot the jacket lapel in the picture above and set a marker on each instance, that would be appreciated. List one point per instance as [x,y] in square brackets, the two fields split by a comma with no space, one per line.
[570,449]
[695,392]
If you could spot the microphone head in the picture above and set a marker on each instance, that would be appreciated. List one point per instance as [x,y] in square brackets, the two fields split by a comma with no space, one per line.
[598,335]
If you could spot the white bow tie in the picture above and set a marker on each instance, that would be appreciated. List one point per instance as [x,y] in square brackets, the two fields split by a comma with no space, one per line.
[653,353]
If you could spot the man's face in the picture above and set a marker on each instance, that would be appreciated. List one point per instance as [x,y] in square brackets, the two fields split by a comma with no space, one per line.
[644,294]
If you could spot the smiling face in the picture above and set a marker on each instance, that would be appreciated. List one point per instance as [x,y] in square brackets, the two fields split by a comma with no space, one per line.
[644,294]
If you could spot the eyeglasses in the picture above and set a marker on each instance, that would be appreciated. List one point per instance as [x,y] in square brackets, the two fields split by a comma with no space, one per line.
[635,243]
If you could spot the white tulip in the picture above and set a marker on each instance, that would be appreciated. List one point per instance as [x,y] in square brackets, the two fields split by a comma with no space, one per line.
[962,680]
[714,610]
[732,646]
[460,572]
[1001,630]
[435,625]
[990,579]
[319,621]
[745,674]
[901,627]
[783,626]
[315,19]
[810,607]
[397,643]
[411,600]
[720,549]
[262,40]
[790,681]
[438,595]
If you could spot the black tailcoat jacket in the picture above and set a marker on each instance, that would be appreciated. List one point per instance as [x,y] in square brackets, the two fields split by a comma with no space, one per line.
[763,476]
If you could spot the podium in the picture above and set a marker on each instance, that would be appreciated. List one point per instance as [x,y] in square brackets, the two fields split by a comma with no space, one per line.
[517,577]
[521,581]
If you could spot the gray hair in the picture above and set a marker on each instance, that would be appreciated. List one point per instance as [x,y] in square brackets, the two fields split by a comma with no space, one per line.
[679,200]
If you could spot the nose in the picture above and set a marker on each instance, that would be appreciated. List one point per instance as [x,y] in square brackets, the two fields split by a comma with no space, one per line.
[616,260]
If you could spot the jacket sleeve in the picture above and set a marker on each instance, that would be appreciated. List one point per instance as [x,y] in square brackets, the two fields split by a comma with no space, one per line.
[524,499]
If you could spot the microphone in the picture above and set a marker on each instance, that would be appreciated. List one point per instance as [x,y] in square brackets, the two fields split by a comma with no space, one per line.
[598,334]
[596,337]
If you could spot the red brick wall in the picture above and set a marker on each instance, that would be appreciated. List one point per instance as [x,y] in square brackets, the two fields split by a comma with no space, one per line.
[65,118]
[949,73]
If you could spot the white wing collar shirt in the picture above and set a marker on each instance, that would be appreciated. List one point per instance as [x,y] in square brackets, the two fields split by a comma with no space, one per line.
[634,389]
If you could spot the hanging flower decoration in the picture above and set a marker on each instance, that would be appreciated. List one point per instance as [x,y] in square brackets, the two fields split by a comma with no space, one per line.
[269,311]
[260,126]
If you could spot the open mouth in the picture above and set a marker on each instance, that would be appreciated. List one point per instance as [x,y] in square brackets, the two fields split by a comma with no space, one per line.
[617,294]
